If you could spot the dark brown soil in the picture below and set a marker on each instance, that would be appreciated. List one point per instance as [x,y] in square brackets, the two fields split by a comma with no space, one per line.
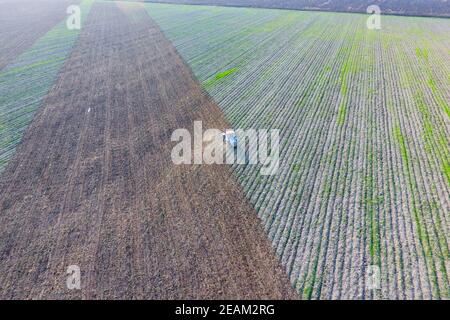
[22,22]
[92,183]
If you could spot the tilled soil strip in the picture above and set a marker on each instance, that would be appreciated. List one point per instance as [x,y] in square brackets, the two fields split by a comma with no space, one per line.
[92,183]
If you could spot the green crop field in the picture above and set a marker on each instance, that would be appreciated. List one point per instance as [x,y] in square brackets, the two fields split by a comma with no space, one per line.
[364,118]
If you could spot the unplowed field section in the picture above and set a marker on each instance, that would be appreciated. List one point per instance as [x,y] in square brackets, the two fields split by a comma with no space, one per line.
[24,21]
[92,183]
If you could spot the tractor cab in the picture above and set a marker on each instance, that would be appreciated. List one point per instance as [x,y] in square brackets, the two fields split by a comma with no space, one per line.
[230,137]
